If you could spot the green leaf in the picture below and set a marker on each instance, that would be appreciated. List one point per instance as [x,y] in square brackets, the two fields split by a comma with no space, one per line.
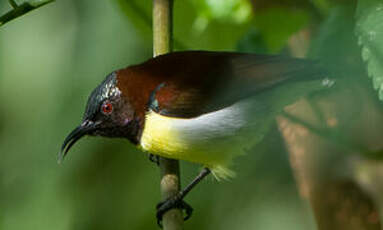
[237,11]
[278,24]
[369,30]
[334,44]
[252,42]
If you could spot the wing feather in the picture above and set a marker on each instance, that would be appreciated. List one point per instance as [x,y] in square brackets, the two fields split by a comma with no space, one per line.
[199,82]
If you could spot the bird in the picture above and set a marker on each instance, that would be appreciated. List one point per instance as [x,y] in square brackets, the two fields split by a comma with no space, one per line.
[206,107]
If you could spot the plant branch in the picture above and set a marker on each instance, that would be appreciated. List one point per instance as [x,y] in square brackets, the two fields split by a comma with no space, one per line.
[170,179]
[326,133]
[20,10]
[335,138]
[146,19]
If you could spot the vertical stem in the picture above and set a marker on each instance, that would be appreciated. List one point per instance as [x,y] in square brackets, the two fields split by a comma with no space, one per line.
[162,26]
[162,43]
[170,186]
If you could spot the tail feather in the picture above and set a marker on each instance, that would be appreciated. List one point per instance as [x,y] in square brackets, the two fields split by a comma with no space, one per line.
[221,172]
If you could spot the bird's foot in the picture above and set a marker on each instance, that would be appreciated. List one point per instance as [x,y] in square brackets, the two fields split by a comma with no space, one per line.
[155,159]
[170,203]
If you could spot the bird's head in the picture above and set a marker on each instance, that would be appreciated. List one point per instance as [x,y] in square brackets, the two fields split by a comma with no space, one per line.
[107,114]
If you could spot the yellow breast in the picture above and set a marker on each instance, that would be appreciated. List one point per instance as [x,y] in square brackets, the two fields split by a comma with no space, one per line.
[159,137]
[183,139]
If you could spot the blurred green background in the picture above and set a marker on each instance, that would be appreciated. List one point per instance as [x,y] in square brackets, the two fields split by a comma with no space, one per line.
[51,59]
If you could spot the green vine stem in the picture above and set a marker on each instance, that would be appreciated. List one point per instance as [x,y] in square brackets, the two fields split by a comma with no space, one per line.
[20,10]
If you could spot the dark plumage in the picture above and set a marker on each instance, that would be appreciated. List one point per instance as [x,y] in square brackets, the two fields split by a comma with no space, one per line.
[200,106]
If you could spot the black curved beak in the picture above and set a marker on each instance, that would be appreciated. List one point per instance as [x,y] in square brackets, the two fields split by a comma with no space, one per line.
[85,128]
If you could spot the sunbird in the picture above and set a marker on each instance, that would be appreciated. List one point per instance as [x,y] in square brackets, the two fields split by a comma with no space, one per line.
[199,106]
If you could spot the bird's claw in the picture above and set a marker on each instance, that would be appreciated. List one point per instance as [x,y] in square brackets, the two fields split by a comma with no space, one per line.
[170,203]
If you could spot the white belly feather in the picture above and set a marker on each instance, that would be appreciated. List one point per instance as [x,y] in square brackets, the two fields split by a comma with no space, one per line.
[212,139]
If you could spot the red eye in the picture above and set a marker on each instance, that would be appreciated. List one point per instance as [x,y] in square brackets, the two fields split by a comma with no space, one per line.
[107,108]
